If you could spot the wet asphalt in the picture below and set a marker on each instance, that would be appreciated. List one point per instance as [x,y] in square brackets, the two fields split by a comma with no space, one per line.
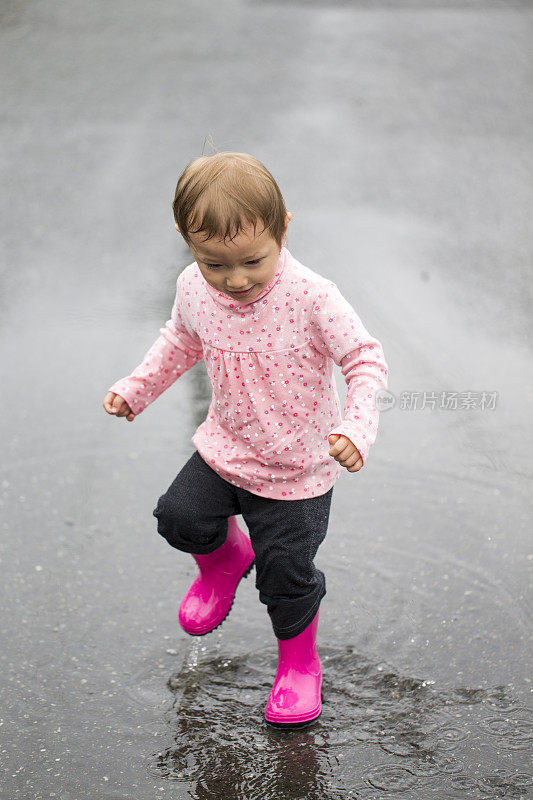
[400,134]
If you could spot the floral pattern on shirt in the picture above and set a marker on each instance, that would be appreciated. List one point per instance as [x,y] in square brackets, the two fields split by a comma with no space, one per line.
[270,363]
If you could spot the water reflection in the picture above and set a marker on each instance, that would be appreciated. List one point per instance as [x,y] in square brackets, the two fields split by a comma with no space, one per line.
[380,733]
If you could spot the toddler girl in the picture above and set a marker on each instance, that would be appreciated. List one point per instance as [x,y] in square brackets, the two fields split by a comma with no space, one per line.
[269,330]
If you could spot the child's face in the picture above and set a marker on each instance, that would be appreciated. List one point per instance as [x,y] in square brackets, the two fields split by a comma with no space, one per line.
[246,264]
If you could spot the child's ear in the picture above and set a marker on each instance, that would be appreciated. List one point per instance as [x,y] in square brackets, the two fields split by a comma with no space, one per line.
[176,226]
[288,216]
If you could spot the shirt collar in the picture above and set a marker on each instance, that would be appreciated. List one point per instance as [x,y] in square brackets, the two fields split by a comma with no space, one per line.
[247,306]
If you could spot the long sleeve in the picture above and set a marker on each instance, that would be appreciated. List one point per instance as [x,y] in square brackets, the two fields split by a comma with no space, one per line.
[338,332]
[173,353]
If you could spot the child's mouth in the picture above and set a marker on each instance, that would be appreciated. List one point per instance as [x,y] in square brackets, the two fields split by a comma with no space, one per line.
[244,294]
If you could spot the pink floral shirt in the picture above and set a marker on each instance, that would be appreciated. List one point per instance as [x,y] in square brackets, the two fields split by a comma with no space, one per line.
[270,363]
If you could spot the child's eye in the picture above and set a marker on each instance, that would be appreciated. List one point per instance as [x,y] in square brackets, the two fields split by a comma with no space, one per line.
[252,262]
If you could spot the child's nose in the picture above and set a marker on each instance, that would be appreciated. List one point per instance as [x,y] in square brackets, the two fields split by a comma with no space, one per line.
[238,283]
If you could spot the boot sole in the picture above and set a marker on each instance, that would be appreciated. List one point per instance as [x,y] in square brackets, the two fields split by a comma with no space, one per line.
[292,725]
[244,575]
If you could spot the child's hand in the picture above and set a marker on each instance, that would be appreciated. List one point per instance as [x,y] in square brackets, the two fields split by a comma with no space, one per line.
[343,451]
[116,405]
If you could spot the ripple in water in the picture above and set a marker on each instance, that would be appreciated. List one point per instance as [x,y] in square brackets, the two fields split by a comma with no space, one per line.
[381,734]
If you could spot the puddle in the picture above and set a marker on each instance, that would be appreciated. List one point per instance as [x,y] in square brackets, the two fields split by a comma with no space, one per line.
[380,733]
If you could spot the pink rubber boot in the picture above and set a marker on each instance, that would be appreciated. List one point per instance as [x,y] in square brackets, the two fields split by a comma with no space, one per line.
[210,597]
[295,698]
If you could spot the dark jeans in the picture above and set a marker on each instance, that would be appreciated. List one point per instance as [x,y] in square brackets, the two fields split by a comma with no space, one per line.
[193,514]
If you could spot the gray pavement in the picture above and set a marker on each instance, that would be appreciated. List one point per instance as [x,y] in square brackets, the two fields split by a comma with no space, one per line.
[400,134]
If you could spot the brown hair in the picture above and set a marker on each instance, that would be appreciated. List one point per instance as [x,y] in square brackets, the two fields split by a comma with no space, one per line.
[222,193]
